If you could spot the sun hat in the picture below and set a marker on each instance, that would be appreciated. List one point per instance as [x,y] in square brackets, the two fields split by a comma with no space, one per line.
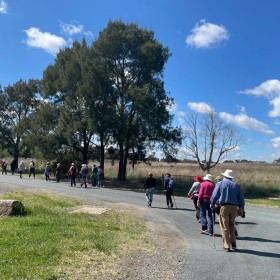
[228,174]
[150,174]
[72,163]
[208,177]
[198,179]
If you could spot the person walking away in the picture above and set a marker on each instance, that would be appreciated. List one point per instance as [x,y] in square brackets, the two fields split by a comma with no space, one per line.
[203,202]
[32,168]
[48,171]
[149,187]
[84,173]
[21,169]
[72,173]
[93,175]
[4,167]
[58,172]
[193,194]
[13,166]
[169,186]
[100,176]
[231,199]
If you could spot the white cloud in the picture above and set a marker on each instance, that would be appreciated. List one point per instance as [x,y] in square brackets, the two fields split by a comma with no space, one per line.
[3,7]
[242,120]
[72,29]
[269,89]
[276,142]
[205,35]
[44,40]
[201,107]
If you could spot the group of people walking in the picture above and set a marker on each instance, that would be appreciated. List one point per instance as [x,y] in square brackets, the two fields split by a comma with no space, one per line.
[95,175]
[225,195]
[208,196]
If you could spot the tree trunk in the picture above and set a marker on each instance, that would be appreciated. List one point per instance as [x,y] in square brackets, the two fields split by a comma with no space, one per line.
[102,152]
[121,171]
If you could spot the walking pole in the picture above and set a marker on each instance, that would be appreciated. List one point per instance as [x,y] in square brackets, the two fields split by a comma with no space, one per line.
[213,222]
[174,200]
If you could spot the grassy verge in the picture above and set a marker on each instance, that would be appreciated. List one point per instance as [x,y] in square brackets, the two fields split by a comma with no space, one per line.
[51,243]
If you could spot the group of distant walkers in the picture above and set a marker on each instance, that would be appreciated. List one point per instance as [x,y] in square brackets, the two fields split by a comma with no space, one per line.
[96,174]
[222,198]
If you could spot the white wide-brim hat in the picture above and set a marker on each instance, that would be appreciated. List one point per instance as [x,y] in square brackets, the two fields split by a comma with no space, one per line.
[207,177]
[228,174]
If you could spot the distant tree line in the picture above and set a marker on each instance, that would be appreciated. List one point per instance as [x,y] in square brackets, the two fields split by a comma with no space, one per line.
[106,98]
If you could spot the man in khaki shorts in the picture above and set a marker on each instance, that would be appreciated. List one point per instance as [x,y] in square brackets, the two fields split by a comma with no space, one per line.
[231,199]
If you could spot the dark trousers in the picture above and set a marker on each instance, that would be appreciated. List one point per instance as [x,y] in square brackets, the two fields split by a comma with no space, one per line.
[168,194]
[73,180]
[32,171]
[197,214]
[206,216]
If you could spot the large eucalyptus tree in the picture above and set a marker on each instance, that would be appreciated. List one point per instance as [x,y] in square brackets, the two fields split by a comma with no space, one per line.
[134,61]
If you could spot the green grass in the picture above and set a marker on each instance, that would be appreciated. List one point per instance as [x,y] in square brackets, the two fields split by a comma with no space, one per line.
[51,243]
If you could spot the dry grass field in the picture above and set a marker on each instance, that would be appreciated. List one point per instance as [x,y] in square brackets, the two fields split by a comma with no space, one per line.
[255,179]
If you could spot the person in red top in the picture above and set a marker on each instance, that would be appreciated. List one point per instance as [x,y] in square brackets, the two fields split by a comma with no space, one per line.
[203,202]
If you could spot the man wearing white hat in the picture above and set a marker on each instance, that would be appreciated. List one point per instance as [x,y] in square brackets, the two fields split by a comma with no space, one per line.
[231,199]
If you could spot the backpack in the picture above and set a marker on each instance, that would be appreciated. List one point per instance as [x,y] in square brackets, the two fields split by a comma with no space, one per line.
[172,184]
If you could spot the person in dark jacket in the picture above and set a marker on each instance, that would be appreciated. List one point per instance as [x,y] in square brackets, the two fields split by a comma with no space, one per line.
[168,189]
[149,187]
[230,197]
[13,166]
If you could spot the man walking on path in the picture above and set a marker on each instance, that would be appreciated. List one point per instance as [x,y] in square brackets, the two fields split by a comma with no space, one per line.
[149,186]
[231,200]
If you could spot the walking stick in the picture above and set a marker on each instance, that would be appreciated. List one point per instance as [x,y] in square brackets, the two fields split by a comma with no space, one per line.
[213,222]
[174,201]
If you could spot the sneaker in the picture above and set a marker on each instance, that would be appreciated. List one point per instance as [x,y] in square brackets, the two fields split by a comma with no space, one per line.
[233,246]
[226,249]
[203,231]
[210,234]
[171,205]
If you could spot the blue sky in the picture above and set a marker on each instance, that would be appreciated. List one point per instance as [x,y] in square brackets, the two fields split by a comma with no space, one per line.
[225,54]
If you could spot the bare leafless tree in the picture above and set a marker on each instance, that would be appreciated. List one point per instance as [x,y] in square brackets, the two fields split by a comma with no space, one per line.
[208,139]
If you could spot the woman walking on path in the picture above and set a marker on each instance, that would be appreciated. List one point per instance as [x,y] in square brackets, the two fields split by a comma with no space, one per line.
[32,168]
[193,194]
[21,169]
[48,171]
[58,172]
[203,202]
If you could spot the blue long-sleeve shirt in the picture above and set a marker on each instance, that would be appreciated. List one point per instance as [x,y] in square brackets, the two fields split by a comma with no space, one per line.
[227,192]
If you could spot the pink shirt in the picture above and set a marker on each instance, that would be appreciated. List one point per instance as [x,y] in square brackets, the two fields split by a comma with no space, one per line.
[206,190]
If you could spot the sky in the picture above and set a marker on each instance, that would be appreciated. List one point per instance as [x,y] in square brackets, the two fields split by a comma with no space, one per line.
[225,54]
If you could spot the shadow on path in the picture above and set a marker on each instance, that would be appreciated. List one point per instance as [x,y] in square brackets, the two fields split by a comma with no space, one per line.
[258,253]
[248,238]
